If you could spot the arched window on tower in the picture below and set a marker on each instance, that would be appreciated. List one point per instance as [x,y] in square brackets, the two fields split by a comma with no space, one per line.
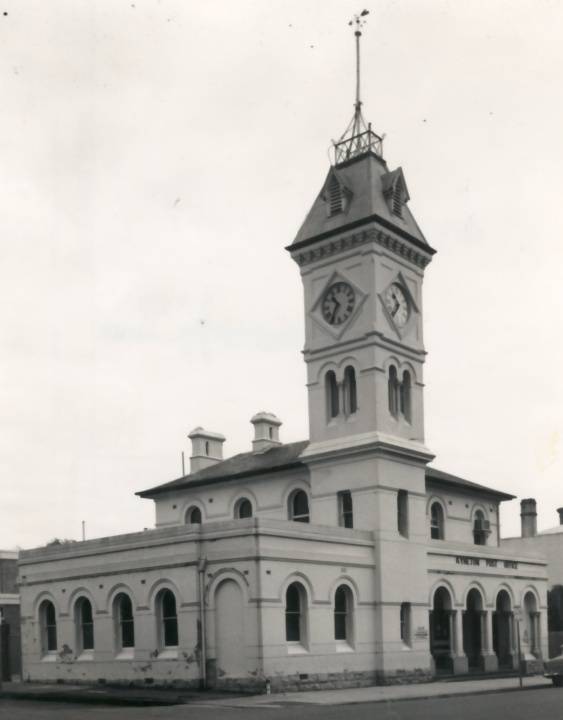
[405,396]
[193,515]
[436,521]
[403,513]
[350,391]
[393,391]
[331,386]
[480,528]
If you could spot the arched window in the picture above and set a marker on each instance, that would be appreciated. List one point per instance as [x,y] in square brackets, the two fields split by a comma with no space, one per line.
[299,506]
[124,622]
[480,528]
[84,622]
[343,614]
[243,508]
[48,626]
[350,391]
[405,396]
[207,447]
[167,619]
[393,391]
[403,513]
[405,623]
[436,521]
[331,388]
[295,618]
[193,515]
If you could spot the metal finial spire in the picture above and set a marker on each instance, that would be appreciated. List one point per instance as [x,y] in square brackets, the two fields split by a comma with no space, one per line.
[358,137]
[359,21]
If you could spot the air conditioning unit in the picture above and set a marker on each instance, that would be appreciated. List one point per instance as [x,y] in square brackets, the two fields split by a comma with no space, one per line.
[482,525]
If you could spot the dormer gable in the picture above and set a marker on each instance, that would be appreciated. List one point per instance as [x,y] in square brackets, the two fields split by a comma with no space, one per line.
[395,191]
[335,194]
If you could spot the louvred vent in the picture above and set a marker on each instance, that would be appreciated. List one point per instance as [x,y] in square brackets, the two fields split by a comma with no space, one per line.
[397,200]
[334,196]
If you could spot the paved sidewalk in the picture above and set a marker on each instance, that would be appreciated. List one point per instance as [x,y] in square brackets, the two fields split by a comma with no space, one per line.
[387,693]
[103,695]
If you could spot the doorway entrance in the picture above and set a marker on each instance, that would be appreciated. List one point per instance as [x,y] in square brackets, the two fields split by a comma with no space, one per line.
[472,623]
[441,631]
[502,631]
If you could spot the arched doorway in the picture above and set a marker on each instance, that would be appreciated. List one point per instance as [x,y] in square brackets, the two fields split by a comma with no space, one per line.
[229,630]
[472,632]
[503,637]
[441,630]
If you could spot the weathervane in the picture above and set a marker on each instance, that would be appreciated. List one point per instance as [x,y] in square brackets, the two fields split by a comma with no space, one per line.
[358,138]
[359,21]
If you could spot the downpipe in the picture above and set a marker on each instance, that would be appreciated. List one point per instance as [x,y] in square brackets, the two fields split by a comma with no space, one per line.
[201,566]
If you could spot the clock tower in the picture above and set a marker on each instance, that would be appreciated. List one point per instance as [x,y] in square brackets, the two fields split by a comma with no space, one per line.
[362,258]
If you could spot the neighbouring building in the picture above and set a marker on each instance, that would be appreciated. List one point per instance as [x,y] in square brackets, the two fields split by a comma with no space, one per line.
[10,646]
[548,545]
[343,559]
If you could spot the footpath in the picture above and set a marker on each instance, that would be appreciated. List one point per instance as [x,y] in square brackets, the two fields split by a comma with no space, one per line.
[105,695]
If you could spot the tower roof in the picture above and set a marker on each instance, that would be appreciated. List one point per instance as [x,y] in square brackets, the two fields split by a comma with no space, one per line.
[359,188]
[370,189]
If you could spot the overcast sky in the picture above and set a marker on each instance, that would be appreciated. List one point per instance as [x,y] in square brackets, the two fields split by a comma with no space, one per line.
[155,159]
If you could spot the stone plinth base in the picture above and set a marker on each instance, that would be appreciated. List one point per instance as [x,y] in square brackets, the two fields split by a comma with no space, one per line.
[489,663]
[460,666]
[532,666]
[404,677]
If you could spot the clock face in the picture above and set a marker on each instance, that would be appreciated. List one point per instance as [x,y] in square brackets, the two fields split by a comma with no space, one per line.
[397,304]
[338,303]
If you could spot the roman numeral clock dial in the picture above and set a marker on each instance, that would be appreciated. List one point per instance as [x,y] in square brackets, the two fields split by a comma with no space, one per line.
[397,304]
[338,303]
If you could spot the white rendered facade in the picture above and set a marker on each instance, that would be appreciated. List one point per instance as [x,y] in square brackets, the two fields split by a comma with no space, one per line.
[340,560]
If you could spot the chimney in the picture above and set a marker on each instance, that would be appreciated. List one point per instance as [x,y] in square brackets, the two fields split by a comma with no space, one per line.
[560,511]
[207,449]
[528,515]
[266,431]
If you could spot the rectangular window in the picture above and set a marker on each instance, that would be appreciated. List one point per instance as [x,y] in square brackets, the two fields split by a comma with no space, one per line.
[345,510]
[403,513]
[405,621]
